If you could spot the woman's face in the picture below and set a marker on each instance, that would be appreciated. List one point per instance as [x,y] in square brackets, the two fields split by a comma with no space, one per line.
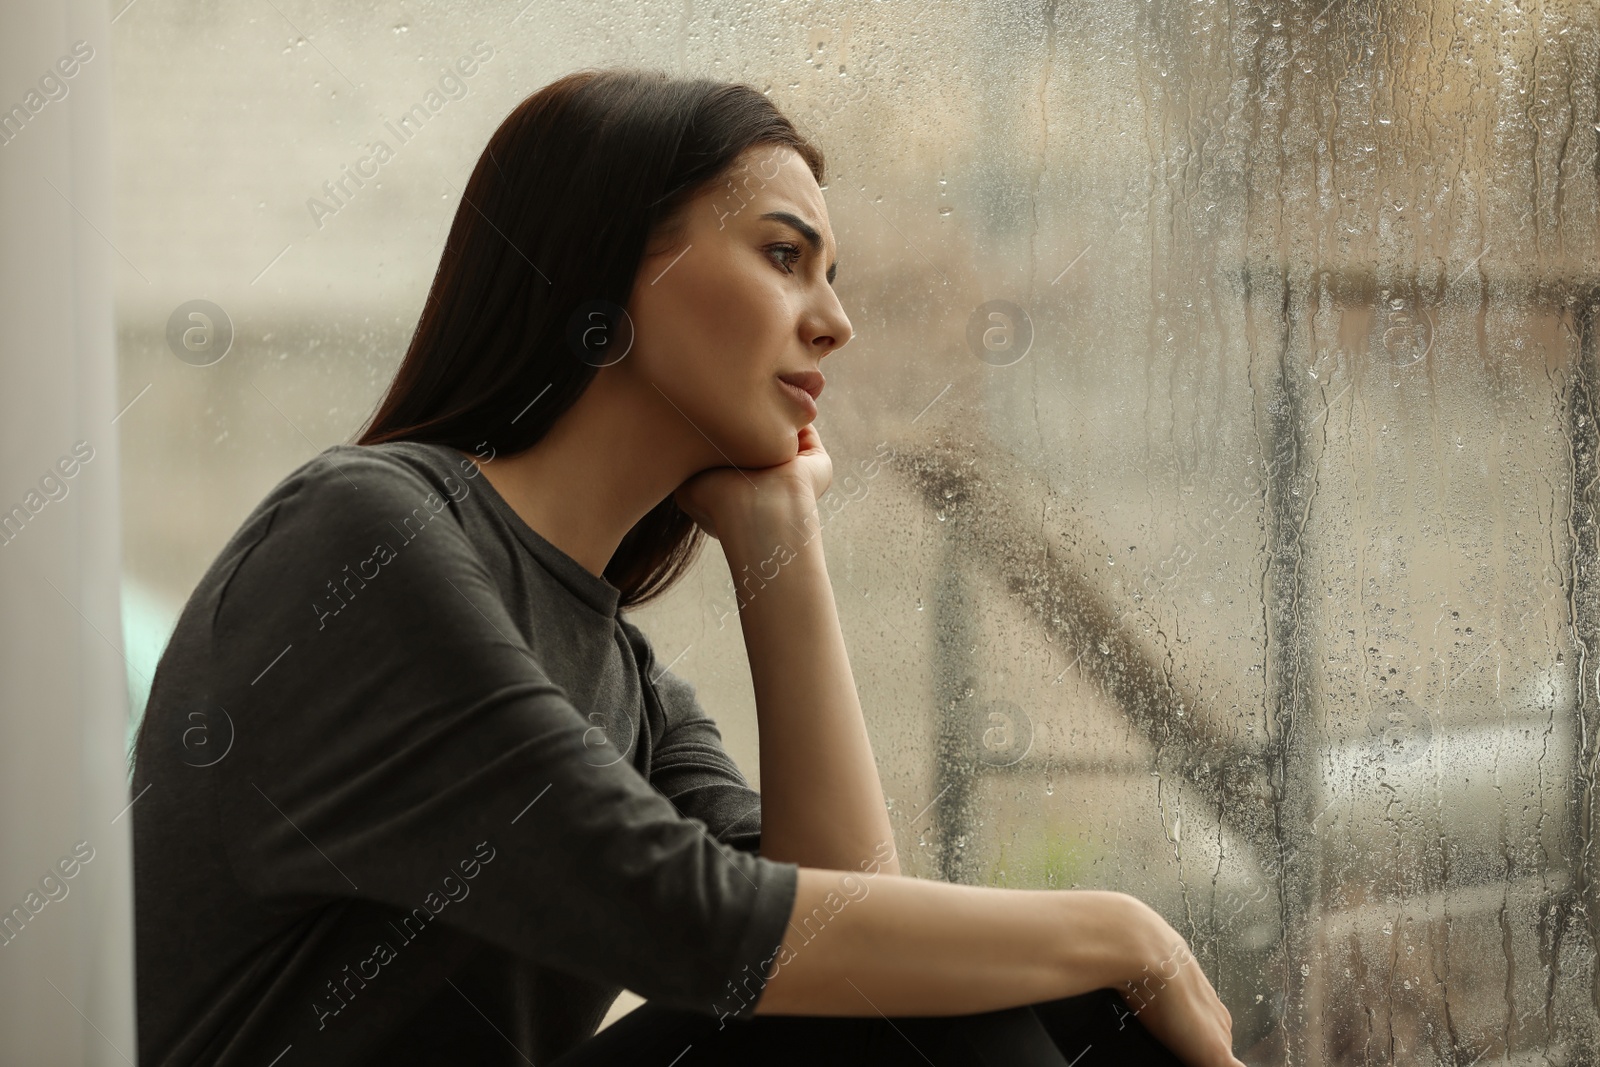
[742,298]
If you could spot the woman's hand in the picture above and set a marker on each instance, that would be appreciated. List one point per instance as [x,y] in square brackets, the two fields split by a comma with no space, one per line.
[715,497]
[1175,1002]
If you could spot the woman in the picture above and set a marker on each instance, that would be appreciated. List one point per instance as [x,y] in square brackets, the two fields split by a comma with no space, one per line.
[448,813]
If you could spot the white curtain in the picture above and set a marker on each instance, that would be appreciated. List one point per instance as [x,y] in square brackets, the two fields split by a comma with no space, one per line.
[66,960]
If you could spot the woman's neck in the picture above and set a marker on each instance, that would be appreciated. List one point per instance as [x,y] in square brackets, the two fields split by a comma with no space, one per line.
[600,469]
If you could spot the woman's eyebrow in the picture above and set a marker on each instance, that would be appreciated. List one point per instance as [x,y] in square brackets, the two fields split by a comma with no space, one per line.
[808,231]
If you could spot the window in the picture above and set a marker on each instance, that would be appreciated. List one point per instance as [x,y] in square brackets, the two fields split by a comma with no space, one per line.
[1236,372]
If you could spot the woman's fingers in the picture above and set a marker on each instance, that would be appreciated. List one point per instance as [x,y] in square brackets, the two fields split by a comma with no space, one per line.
[1189,1018]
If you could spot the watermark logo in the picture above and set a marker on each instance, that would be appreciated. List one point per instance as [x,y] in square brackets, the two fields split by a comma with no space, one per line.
[344,587]
[52,888]
[54,485]
[829,505]
[199,332]
[596,753]
[600,333]
[1401,731]
[805,929]
[52,87]
[1001,733]
[1408,331]
[999,332]
[339,191]
[347,983]
[733,192]
[207,738]
[1140,991]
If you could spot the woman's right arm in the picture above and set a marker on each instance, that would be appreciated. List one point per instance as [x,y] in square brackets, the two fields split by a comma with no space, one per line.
[895,945]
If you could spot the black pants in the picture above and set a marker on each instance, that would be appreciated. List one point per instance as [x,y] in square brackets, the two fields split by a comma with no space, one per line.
[1093,1030]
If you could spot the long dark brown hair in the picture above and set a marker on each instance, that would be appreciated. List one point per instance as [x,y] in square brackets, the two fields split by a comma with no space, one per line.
[556,216]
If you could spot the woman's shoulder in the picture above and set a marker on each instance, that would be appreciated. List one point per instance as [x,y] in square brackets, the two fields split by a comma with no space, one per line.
[346,484]
[344,505]
[314,538]
[403,466]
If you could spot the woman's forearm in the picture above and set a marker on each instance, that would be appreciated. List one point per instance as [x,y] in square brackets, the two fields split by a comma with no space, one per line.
[893,945]
[821,800]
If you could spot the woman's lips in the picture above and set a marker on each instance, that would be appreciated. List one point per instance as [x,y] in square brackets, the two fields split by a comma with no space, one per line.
[810,381]
[801,397]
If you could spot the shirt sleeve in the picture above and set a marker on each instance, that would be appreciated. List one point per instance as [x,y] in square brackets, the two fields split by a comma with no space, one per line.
[689,765]
[397,742]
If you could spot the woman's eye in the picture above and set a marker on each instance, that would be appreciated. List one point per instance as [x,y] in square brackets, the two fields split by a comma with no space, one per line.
[787,251]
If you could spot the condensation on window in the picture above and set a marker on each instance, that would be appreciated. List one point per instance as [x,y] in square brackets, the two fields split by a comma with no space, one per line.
[1232,371]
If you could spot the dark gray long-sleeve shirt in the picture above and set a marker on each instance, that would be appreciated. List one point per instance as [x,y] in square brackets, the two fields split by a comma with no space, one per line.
[410,789]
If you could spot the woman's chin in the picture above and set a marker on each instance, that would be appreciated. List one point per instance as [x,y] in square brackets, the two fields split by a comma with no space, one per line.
[791,443]
[780,446]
